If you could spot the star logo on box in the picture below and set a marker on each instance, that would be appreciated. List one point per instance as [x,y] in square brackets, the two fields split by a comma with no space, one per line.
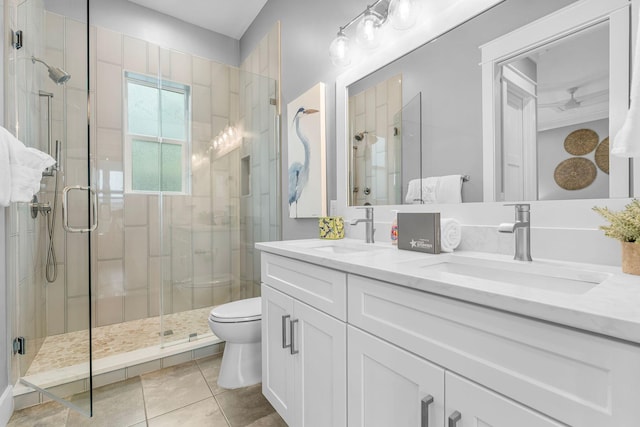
[421,244]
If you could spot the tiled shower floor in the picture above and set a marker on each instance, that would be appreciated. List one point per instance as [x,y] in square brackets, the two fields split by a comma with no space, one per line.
[59,351]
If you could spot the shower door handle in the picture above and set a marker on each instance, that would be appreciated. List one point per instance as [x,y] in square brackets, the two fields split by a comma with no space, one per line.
[65,210]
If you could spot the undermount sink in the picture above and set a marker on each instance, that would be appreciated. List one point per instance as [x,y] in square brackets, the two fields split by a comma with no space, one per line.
[338,249]
[341,247]
[537,274]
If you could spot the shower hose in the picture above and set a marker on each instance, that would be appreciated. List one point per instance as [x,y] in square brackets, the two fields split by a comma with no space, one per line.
[51,268]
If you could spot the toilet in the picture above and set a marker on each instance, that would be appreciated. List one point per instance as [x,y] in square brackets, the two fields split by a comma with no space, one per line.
[238,323]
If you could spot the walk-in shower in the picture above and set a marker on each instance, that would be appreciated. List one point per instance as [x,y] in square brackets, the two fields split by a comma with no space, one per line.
[177,214]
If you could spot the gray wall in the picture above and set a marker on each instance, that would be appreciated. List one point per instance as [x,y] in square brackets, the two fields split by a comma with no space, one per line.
[307,30]
[168,32]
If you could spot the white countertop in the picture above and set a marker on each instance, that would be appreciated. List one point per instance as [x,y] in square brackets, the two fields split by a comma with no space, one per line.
[611,307]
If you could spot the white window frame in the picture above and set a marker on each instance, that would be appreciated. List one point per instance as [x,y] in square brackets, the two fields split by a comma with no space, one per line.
[128,138]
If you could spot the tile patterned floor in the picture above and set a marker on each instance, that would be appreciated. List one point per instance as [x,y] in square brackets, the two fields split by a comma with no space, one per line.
[184,395]
[59,351]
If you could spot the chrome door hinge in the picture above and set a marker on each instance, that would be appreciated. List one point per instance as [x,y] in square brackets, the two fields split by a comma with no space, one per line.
[19,345]
[16,39]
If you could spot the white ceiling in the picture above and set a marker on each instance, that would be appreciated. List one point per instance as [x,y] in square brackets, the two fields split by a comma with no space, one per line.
[231,18]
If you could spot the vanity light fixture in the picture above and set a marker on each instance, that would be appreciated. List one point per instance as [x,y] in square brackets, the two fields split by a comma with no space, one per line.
[370,24]
[339,50]
[402,14]
[368,30]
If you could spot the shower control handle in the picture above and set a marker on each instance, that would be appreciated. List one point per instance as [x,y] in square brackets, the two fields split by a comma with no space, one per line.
[292,332]
[65,209]
[284,331]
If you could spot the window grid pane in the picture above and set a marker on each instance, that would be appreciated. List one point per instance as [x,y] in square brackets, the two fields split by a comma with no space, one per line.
[145,162]
[171,167]
[157,165]
[173,115]
[142,109]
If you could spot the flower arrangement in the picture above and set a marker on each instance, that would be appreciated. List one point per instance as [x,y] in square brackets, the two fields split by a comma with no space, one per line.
[624,225]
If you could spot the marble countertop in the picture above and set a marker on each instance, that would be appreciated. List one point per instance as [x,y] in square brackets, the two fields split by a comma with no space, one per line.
[594,298]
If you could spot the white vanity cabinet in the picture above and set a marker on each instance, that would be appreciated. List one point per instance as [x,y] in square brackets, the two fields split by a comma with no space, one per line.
[369,353]
[303,349]
[546,371]
[388,386]
[471,405]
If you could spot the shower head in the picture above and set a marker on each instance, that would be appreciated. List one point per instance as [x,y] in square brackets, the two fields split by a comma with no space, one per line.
[58,75]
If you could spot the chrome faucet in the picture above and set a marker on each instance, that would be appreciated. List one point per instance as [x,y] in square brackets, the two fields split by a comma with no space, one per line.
[368,220]
[522,229]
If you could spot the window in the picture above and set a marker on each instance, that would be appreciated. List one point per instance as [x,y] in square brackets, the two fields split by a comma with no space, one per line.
[157,137]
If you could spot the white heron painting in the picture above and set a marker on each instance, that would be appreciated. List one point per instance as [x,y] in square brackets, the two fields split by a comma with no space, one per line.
[306,154]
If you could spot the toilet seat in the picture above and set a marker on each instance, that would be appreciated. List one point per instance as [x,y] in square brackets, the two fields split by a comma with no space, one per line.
[246,310]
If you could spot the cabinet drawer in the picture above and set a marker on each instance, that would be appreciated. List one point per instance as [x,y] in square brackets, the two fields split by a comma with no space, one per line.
[320,287]
[575,377]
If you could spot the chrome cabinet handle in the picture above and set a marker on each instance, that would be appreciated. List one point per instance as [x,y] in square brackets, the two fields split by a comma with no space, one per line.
[284,331]
[424,404]
[65,209]
[454,418]
[292,331]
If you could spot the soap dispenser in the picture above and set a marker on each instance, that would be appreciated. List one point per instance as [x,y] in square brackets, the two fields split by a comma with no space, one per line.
[394,228]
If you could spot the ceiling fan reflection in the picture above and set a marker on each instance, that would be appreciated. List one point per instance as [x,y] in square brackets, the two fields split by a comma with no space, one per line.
[576,102]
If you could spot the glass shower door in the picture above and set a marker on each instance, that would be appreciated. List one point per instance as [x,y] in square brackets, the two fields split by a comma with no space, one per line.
[233,203]
[51,282]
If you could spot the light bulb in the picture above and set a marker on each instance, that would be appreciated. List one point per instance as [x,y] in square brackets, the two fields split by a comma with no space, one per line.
[402,14]
[339,50]
[368,30]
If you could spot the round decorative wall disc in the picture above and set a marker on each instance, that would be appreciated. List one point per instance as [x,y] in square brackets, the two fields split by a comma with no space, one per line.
[575,173]
[581,142]
[602,155]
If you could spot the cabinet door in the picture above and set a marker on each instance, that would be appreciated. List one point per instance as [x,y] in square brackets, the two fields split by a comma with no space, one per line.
[277,367]
[320,368]
[391,387]
[477,406]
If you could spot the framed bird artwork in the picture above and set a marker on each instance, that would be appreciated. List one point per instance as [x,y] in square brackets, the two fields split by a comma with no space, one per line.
[306,154]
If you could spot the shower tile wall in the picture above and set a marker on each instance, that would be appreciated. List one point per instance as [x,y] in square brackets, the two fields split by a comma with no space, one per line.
[260,214]
[134,260]
[373,111]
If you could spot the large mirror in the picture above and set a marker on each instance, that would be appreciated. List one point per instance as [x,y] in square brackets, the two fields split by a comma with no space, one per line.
[514,104]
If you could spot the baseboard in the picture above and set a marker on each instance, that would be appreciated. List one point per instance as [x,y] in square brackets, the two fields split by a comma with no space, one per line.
[6,406]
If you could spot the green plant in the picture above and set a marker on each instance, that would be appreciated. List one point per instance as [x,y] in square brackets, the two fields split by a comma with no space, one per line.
[624,225]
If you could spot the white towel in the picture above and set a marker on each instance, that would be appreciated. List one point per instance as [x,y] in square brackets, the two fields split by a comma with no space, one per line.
[414,192]
[21,169]
[450,234]
[626,143]
[422,190]
[449,189]
[435,189]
